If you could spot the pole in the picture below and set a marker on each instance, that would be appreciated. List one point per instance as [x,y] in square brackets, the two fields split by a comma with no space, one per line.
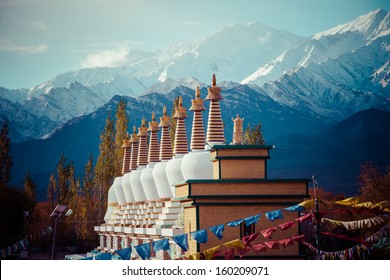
[316,217]
[54,238]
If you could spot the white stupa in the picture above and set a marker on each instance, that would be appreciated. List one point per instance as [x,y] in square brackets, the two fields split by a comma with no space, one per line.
[173,168]
[159,173]
[138,147]
[197,164]
[146,177]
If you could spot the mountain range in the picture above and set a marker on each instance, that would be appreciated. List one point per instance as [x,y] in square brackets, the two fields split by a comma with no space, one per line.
[291,84]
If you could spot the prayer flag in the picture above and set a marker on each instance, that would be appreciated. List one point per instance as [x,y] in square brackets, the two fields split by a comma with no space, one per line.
[268,232]
[287,225]
[237,243]
[86,259]
[103,257]
[182,241]
[235,223]
[209,253]
[162,244]
[143,251]
[195,256]
[251,220]
[295,208]
[348,201]
[200,236]
[218,230]
[125,253]
[274,215]
[250,238]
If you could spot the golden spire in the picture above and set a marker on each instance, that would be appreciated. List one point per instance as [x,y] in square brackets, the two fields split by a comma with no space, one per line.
[165,121]
[126,141]
[214,93]
[180,111]
[154,149]
[197,103]
[166,145]
[215,133]
[143,131]
[134,136]
[197,137]
[143,145]
[153,125]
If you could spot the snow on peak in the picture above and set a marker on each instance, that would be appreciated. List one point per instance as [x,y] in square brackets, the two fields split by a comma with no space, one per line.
[371,25]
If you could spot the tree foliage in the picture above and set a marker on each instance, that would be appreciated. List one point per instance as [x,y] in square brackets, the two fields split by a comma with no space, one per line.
[374,186]
[121,125]
[29,187]
[254,135]
[5,158]
[13,203]
[105,165]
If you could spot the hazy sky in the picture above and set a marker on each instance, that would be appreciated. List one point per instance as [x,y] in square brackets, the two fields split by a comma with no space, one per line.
[40,39]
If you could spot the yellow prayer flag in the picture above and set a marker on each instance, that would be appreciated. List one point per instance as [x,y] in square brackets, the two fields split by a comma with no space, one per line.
[364,204]
[235,243]
[209,253]
[194,256]
[382,205]
[348,201]
[307,204]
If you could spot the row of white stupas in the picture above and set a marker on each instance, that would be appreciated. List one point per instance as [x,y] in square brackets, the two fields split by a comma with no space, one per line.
[141,202]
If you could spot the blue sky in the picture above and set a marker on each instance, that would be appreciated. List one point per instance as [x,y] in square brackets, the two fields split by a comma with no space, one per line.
[40,39]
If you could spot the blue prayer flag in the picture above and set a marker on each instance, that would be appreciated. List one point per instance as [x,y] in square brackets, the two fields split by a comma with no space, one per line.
[295,208]
[86,259]
[143,251]
[125,253]
[200,236]
[162,244]
[274,215]
[251,220]
[182,241]
[235,223]
[103,257]
[218,230]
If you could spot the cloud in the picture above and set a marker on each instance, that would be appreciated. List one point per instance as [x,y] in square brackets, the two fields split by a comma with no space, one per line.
[9,46]
[106,58]
[265,38]
[40,25]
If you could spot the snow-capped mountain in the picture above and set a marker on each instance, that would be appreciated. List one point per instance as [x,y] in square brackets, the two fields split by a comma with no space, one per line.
[331,75]
[339,87]
[323,46]
[22,124]
[232,53]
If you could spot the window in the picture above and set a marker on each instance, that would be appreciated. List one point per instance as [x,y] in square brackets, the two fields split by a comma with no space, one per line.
[246,230]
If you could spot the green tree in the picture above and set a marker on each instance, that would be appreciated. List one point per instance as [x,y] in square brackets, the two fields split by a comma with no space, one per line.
[105,165]
[121,125]
[254,136]
[62,187]
[5,158]
[29,187]
[87,210]
[51,188]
